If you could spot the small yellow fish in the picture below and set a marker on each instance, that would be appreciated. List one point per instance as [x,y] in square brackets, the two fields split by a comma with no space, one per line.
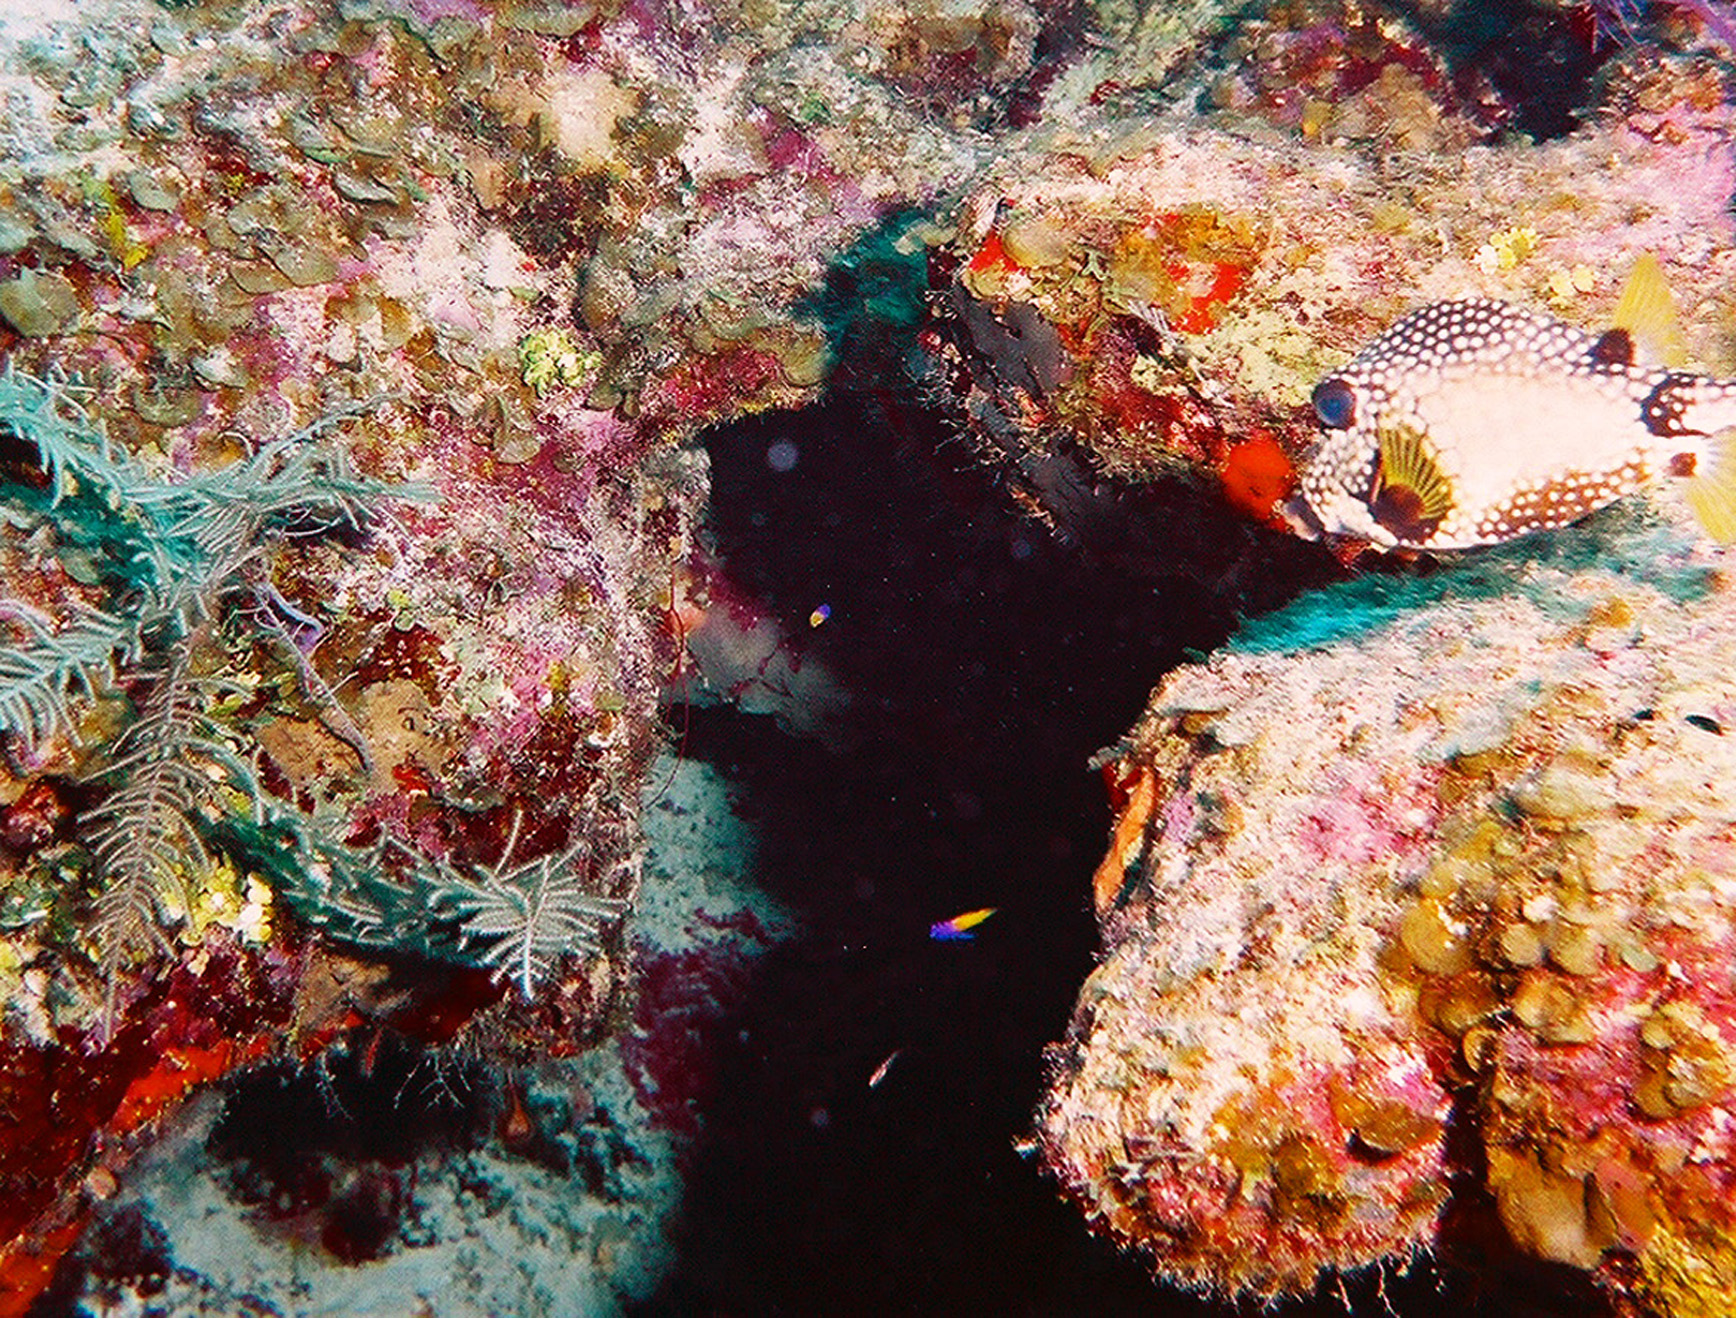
[959,927]
[1473,422]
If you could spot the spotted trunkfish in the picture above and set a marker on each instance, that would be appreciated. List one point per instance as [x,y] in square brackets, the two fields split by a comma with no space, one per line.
[1472,422]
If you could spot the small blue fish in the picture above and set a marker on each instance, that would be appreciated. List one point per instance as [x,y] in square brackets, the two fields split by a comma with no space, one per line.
[1473,422]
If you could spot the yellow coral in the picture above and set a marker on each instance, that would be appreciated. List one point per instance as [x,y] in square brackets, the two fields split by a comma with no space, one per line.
[1686,1278]
[1506,249]
[226,902]
[1566,285]
[550,357]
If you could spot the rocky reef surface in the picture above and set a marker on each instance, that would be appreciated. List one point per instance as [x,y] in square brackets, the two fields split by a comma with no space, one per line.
[1415,902]
[353,355]
[355,358]
[1155,296]
[1420,902]
[403,1175]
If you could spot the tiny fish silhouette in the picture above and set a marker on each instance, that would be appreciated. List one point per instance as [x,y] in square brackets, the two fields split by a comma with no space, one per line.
[1472,422]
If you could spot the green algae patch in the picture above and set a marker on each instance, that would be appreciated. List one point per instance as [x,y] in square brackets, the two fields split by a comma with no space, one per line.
[1632,542]
[39,304]
[875,290]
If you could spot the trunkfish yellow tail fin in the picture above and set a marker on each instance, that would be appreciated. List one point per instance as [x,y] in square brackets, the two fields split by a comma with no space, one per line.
[1712,488]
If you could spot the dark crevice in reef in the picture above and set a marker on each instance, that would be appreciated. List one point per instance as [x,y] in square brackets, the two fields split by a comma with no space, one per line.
[988,660]
[323,1155]
[1520,66]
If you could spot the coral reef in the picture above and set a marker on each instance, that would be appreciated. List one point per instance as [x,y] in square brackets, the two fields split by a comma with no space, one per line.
[1421,889]
[1400,883]
[522,250]
[303,774]
[177,563]
[1396,909]
[519,253]
[1155,297]
[553,1186]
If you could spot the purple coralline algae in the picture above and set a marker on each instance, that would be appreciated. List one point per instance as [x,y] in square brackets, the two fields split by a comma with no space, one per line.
[1414,909]
[1456,867]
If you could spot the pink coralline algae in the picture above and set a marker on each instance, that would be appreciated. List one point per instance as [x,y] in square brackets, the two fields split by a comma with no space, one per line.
[1467,865]
[679,1014]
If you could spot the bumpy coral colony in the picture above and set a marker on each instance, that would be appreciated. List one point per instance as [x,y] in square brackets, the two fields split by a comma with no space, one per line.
[1418,898]
[1470,870]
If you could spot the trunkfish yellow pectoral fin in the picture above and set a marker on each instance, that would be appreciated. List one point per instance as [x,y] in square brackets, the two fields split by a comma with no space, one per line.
[1646,312]
[1411,495]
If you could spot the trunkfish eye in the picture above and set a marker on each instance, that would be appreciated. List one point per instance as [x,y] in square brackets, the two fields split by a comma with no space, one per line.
[1334,403]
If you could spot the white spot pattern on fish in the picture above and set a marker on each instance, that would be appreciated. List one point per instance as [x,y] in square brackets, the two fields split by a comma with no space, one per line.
[1472,422]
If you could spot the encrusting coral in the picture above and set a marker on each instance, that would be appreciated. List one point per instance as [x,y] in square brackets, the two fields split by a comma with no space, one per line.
[526,252]
[1160,293]
[1417,898]
[1406,857]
